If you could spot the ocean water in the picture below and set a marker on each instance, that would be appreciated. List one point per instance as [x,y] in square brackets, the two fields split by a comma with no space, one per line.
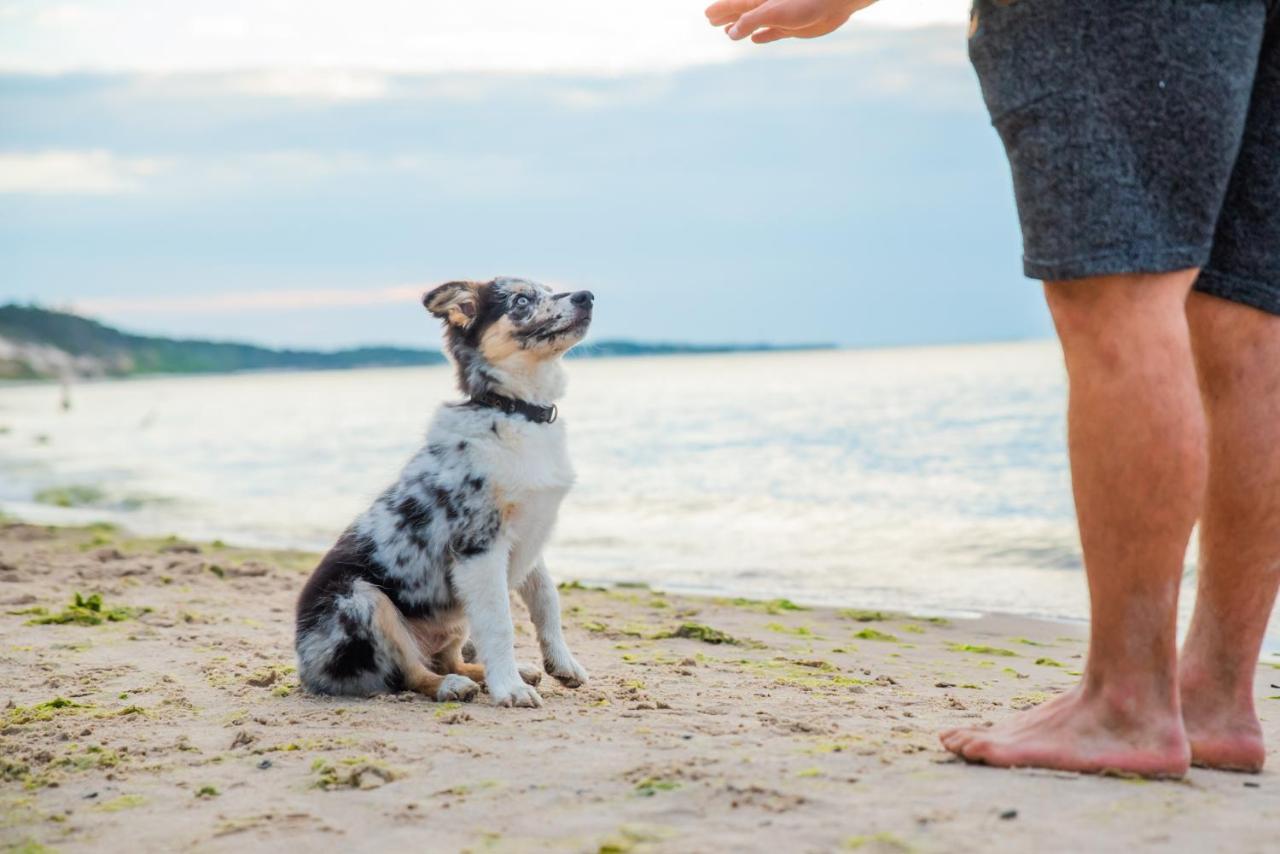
[930,480]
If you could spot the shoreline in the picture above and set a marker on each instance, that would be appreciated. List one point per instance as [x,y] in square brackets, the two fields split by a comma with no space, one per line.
[89,517]
[48,515]
[166,715]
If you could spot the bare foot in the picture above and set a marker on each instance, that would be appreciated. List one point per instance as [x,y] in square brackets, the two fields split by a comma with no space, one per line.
[1224,733]
[1074,733]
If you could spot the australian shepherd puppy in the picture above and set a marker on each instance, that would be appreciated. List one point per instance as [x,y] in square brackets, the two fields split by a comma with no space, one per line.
[433,560]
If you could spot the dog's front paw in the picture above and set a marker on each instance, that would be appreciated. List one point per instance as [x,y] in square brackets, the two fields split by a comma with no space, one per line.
[456,687]
[530,674]
[570,673]
[519,694]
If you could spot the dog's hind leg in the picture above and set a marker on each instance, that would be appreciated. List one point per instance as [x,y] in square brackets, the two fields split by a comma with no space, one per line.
[543,601]
[452,660]
[403,647]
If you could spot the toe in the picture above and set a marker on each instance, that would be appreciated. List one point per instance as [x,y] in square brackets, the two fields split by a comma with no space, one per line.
[530,674]
[974,748]
[954,739]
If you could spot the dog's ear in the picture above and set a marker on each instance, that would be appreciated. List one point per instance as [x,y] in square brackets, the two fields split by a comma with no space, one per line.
[454,302]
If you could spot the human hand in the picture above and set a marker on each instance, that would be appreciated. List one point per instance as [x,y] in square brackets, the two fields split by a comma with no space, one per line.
[770,20]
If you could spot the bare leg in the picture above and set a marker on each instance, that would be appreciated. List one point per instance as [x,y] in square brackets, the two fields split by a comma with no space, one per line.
[1238,354]
[543,601]
[1137,464]
[481,585]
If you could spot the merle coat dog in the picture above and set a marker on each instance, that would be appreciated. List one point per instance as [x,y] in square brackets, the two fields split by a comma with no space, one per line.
[434,558]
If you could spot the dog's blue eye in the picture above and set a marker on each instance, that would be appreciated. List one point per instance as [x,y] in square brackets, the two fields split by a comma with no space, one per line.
[521,300]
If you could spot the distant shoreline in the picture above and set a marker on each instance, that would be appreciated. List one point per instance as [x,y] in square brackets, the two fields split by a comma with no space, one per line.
[43,345]
[645,351]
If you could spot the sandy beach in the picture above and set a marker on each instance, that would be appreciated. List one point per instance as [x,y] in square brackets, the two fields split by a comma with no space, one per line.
[161,712]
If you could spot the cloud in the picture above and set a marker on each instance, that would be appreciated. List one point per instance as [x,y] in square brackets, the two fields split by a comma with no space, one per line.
[581,36]
[67,15]
[822,168]
[326,84]
[99,172]
[75,172]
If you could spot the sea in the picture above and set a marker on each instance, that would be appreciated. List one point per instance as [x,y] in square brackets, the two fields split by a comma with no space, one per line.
[929,480]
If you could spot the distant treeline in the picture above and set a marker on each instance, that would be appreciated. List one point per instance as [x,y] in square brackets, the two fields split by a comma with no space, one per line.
[38,343]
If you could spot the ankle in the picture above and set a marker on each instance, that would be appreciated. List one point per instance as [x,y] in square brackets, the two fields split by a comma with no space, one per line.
[1220,685]
[1130,699]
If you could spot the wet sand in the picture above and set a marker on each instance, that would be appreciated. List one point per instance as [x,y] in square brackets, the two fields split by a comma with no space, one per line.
[167,716]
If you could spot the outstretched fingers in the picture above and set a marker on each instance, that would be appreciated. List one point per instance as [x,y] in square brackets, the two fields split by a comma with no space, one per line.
[727,11]
[774,13]
[772,34]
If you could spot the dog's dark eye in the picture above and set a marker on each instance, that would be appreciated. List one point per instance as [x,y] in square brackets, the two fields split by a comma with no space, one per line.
[520,301]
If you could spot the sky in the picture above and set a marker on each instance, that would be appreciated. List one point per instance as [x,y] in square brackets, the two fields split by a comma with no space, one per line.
[296,173]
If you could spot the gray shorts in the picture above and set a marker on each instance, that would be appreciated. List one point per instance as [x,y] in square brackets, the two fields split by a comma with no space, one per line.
[1143,135]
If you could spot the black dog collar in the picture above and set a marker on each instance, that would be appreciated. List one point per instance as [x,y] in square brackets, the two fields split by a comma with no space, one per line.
[511,406]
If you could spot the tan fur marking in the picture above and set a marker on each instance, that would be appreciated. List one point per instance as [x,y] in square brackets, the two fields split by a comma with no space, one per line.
[388,623]
[449,660]
[499,341]
[506,507]
[474,672]
[456,304]
[434,636]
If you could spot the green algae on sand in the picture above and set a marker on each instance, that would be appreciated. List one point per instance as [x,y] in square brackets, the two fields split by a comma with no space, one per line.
[859,615]
[124,802]
[699,631]
[21,715]
[979,649]
[353,772]
[74,495]
[650,786]
[84,611]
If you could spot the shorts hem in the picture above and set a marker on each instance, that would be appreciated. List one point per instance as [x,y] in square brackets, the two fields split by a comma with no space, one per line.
[1250,292]
[1116,263]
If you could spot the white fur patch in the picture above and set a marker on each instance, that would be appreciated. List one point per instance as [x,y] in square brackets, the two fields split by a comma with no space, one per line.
[457,688]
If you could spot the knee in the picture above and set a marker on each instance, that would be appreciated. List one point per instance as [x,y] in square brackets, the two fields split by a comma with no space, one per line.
[1237,347]
[1109,316]
[1084,306]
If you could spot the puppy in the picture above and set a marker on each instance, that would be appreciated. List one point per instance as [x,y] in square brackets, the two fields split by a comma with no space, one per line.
[433,560]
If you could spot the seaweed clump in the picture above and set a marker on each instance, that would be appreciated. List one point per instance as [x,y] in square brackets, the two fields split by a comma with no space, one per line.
[701,632]
[84,611]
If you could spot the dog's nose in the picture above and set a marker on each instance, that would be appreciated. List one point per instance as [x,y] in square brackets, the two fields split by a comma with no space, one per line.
[583,298]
